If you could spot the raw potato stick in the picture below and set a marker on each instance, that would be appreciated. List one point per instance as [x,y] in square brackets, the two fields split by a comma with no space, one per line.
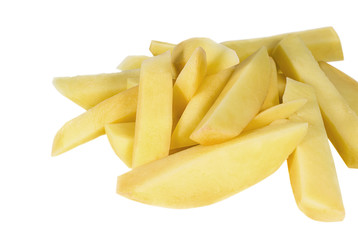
[153,126]
[311,166]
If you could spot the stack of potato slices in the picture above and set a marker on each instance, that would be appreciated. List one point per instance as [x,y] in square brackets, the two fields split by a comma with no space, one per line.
[200,121]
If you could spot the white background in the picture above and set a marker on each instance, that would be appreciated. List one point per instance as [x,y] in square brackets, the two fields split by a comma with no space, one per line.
[72,196]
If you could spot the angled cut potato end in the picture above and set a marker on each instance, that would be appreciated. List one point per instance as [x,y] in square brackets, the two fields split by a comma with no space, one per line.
[203,175]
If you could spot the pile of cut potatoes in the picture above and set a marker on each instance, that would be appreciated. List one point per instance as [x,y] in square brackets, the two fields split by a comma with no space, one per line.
[200,121]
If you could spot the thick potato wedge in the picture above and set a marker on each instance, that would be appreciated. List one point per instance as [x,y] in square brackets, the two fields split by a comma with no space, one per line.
[203,175]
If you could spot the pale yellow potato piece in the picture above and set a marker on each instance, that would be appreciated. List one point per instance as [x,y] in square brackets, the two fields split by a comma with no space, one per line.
[324,44]
[121,138]
[346,85]
[89,90]
[132,62]
[89,125]
[341,122]
[218,56]
[238,103]
[188,82]
[198,106]
[280,111]
[203,175]
[154,112]
[272,97]
[312,172]
[157,47]
[132,82]
[281,83]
